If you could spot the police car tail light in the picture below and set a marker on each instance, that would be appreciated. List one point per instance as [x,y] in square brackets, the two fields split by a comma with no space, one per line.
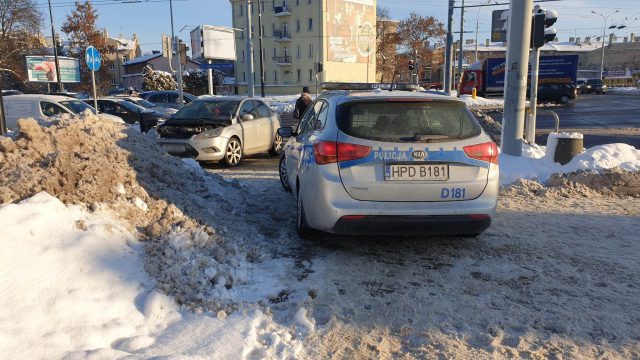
[484,152]
[327,152]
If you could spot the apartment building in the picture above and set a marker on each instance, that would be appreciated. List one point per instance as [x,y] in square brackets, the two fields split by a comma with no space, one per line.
[120,50]
[297,34]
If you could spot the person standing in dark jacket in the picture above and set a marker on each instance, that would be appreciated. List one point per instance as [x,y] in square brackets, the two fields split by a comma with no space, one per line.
[302,103]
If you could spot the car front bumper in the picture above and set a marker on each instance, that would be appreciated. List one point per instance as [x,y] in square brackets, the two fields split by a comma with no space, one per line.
[212,149]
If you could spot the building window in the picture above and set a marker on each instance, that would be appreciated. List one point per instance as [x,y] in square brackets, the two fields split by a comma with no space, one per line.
[297,25]
[310,24]
[244,76]
[262,6]
[113,81]
[275,76]
[243,55]
[112,67]
[298,52]
[309,1]
[310,50]
[241,13]
[242,34]
[297,2]
[274,52]
[264,54]
[254,77]
[299,75]
[125,58]
[262,29]
[310,74]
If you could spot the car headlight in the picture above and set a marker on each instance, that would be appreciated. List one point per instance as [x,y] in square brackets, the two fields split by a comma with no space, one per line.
[209,134]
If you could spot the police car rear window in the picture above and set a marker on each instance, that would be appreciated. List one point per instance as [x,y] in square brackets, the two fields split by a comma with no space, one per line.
[409,121]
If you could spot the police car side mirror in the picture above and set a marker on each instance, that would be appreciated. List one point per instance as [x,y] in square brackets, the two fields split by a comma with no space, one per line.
[286,132]
[247,117]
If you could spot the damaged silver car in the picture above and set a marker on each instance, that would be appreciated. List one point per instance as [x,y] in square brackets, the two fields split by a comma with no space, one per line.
[222,129]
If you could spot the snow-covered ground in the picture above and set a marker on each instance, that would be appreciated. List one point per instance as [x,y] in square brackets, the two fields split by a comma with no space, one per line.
[480,102]
[159,258]
[624,91]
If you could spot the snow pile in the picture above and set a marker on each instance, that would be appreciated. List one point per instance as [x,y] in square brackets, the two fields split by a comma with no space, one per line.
[74,287]
[282,104]
[480,102]
[490,126]
[536,164]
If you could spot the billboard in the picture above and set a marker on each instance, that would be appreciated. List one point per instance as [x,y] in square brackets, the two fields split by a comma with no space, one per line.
[43,69]
[551,69]
[351,30]
[213,42]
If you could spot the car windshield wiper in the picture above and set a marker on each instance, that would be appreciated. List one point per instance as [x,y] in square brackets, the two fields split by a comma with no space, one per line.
[429,138]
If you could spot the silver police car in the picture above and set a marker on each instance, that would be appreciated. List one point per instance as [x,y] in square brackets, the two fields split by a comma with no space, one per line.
[389,162]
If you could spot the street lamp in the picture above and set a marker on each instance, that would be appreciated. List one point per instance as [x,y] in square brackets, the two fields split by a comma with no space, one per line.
[176,47]
[604,29]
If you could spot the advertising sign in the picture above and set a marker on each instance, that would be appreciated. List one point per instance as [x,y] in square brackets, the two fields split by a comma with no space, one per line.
[43,69]
[213,42]
[557,69]
[351,30]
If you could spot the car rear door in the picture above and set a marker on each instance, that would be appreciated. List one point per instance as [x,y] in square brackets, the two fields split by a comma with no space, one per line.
[418,151]
[267,131]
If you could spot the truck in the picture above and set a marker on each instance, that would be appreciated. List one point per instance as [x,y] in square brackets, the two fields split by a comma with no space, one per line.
[488,76]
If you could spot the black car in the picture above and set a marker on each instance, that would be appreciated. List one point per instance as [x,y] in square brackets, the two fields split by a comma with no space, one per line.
[129,112]
[594,86]
[166,98]
[558,93]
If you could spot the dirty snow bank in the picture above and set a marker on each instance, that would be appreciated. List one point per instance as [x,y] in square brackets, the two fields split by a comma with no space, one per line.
[74,287]
[624,91]
[479,102]
[197,246]
[535,164]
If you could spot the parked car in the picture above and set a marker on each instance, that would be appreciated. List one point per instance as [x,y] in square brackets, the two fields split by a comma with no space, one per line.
[558,93]
[166,98]
[222,129]
[162,112]
[129,112]
[11,92]
[74,95]
[42,107]
[390,162]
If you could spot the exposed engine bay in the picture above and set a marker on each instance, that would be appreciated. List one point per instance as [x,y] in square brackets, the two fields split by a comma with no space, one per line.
[183,132]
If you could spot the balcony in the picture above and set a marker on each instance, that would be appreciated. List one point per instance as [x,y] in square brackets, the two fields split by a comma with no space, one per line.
[281,36]
[282,11]
[283,60]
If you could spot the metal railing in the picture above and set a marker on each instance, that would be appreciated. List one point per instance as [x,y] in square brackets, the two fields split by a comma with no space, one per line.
[286,59]
[280,34]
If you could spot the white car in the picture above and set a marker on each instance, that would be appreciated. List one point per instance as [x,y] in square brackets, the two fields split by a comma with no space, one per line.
[222,129]
[42,107]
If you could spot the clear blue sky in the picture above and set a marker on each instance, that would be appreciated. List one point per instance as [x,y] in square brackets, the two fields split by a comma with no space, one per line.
[149,19]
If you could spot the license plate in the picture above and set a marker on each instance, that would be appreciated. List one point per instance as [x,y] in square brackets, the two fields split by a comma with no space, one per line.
[416,172]
[173,148]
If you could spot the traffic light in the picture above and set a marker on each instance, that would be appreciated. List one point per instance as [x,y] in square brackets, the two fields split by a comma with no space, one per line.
[411,65]
[541,32]
[319,67]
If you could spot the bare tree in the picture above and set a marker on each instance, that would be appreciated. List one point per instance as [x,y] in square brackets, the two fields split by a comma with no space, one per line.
[20,35]
[424,36]
[386,45]
[80,25]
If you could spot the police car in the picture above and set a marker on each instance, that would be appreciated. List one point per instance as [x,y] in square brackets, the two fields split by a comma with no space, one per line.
[374,161]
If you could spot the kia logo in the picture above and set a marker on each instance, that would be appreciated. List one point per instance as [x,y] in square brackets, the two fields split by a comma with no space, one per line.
[419,154]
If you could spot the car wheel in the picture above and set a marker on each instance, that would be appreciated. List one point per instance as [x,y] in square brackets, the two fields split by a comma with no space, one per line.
[276,148]
[282,170]
[564,99]
[302,227]
[233,153]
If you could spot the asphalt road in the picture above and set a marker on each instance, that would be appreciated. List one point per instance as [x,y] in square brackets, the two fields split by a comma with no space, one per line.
[608,119]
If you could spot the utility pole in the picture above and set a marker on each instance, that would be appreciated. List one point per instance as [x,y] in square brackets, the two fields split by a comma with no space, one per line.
[176,48]
[461,47]
[530,133]
[262,93]
[250,89]
[55,50]
[604,31]
[449,50]
[210,77]
[516,67]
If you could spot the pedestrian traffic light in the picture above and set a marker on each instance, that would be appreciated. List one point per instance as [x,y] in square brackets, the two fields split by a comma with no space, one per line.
[541,32]
[411,65]
[319,67]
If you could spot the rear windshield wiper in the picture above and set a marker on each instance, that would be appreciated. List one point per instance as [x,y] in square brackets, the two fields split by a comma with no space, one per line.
[429,138]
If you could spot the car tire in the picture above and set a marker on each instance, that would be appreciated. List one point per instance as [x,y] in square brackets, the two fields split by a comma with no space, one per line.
[282,172]
[233,153]
[564,99]
[302,227]
[276,148]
